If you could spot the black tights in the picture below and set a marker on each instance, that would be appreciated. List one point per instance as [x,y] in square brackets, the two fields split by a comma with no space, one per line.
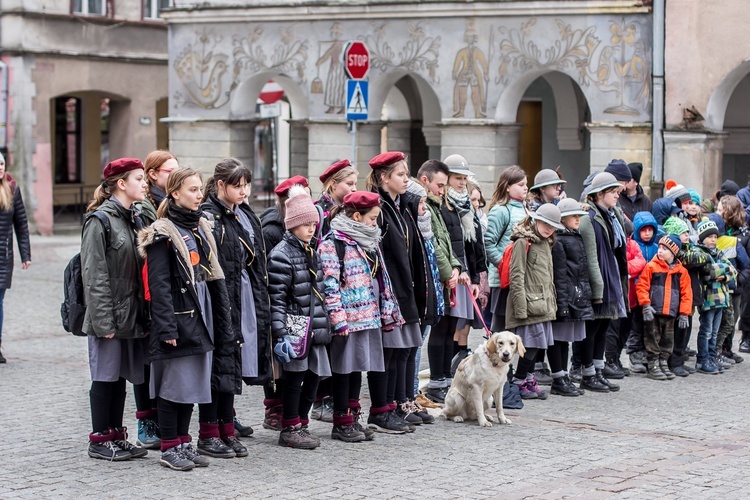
[378,382]
[345,387]
[298,394]
[174,418]
[143,401]
[440,347]
[592,347]
[397,374]
[411,369]
[221,408]
[526,363]
[557,354]
[107,404]
[270,394]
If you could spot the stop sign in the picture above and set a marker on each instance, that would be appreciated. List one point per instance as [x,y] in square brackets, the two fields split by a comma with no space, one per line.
[356,60]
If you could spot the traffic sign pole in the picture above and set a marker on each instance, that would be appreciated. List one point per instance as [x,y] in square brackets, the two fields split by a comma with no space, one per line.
[357,66]
[354,142]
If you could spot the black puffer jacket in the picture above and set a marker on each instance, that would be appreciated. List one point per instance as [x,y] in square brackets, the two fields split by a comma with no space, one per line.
[273,227]
[471,251]
[227,233]
[13,219]
[571,275]
[399,232]
[176,308]
[424,286]
[293,290]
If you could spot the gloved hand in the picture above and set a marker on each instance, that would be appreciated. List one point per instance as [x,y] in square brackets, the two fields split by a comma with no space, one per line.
[682,322]
[648,313]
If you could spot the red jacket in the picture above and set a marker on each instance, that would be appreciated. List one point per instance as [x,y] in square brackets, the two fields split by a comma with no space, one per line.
[666,289]
[636,264]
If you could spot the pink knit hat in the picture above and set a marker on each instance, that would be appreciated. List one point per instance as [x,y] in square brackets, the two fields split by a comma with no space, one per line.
[299,208]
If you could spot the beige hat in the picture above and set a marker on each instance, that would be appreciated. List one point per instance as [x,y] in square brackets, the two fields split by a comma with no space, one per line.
[458,165]
[548,213]
[546,177]
[569,206]
[602,181]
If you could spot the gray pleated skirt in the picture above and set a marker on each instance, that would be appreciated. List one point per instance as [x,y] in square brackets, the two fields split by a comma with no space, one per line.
[110,359]
[463,308]
[316,361]
[358,352]
[537,336]
[249,329]
[403,337]
[569,331]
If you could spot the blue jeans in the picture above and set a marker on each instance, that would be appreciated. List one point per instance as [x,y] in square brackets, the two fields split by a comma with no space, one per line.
[707,332]
[425,331]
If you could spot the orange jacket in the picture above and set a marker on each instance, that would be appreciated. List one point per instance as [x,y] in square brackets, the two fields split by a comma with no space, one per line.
[666,289]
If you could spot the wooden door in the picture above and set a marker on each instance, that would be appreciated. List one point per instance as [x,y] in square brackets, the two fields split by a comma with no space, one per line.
[530,139]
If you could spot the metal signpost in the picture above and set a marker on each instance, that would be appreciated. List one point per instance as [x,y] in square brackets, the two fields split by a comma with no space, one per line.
[357,65]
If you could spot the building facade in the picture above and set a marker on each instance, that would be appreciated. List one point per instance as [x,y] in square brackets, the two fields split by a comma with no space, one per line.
[84,81]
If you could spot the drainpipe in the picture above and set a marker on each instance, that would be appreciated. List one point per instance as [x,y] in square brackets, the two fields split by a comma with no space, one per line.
[3,106]
[657,112]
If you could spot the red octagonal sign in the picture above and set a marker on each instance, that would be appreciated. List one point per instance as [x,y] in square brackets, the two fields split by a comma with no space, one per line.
[356,60]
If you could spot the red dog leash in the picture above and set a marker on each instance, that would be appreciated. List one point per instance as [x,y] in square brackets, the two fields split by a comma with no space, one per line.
[487,332]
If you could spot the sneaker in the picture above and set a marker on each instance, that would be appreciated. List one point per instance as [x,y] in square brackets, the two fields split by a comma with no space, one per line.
[306,431]
[664,367]
[745,343]
[215,447]
[708,367]
[689,369]
[384,422]
[575,374]
[242,430]
[436,394]
[721,365]
[542,374]
[126,445]
[655,373]
[347,434]
[691,353]
[191,454]
[369,433]
[108,450]
[526,392]
[405,411]
[636,366]
[735,357]
[534,386]
[148,434]
[611,370]
[419,411]
[175,459]
[323,410]
[272,418]
[725,362]
[680,371]
[294,437]
[235,444]
[560,388]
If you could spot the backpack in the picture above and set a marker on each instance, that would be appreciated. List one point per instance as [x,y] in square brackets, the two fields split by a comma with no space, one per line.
[73,307]
[503,268]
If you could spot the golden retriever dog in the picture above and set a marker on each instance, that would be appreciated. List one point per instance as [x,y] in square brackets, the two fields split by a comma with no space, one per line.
[479,380]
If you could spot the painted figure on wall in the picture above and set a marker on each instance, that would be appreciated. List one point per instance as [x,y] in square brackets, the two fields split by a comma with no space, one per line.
[335,86]
[470,72]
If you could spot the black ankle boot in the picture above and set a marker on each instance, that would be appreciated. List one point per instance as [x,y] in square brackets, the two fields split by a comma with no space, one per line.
[600,376]
[592,383]
[561,388]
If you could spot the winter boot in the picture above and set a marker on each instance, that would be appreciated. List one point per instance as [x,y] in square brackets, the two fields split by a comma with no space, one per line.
[272,419]
[344,429]
[600,376]
[611,370]
[356,412]
[561,388]
[293,436]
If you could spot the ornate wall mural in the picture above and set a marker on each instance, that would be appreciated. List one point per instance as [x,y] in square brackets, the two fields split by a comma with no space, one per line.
[201,68]
[286,53]
[419,52]
[334,89]
[470,71]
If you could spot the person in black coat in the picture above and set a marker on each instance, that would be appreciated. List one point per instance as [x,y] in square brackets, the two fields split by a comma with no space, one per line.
[242,255]
[195,353]
[633,200]
[12,218]
[295,278]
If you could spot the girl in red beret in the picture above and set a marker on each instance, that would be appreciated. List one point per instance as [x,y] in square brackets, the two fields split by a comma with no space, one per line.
[191,328]
[360,301]
[116,316]
[403,252]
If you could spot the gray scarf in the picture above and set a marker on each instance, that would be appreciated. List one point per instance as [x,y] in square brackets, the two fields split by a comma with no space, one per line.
[425,225]
[367,237]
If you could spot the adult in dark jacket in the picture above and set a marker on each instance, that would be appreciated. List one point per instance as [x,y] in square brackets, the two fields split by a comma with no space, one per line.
[633,200]
[295,278]
[573,293]
[12,218]
[195,353]
[272,219]
[116,317]
[242,256]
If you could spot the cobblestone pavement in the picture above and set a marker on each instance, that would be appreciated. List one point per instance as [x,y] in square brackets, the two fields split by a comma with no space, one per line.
[679,439]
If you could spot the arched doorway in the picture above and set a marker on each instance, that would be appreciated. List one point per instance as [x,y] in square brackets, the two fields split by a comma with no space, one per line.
[88,128]
[736,160]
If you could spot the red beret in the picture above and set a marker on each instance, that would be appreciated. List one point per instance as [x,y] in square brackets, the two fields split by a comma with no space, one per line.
[283,188]
[120,166]
[339,165]
[386,159]
[362,199]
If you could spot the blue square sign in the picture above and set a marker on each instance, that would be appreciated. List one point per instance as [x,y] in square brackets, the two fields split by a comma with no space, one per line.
[357,92]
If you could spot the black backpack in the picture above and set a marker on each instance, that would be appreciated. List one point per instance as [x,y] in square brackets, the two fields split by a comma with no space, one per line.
[73,308]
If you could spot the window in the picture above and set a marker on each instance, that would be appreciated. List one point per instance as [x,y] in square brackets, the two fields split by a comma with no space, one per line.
[152,8]
[67,140]
[90,7]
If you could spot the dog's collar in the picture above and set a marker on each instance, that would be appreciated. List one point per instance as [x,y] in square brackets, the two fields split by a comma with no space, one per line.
[494,363]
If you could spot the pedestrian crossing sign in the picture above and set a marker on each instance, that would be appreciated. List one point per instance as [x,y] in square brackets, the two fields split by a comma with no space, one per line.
[356,99]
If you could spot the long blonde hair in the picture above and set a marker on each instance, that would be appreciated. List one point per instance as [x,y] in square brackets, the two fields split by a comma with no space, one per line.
[174,182]
[6,193]
[106,189]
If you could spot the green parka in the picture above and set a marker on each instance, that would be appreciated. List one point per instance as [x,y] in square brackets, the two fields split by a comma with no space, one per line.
[532,296]
[445,259]
[111,273]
